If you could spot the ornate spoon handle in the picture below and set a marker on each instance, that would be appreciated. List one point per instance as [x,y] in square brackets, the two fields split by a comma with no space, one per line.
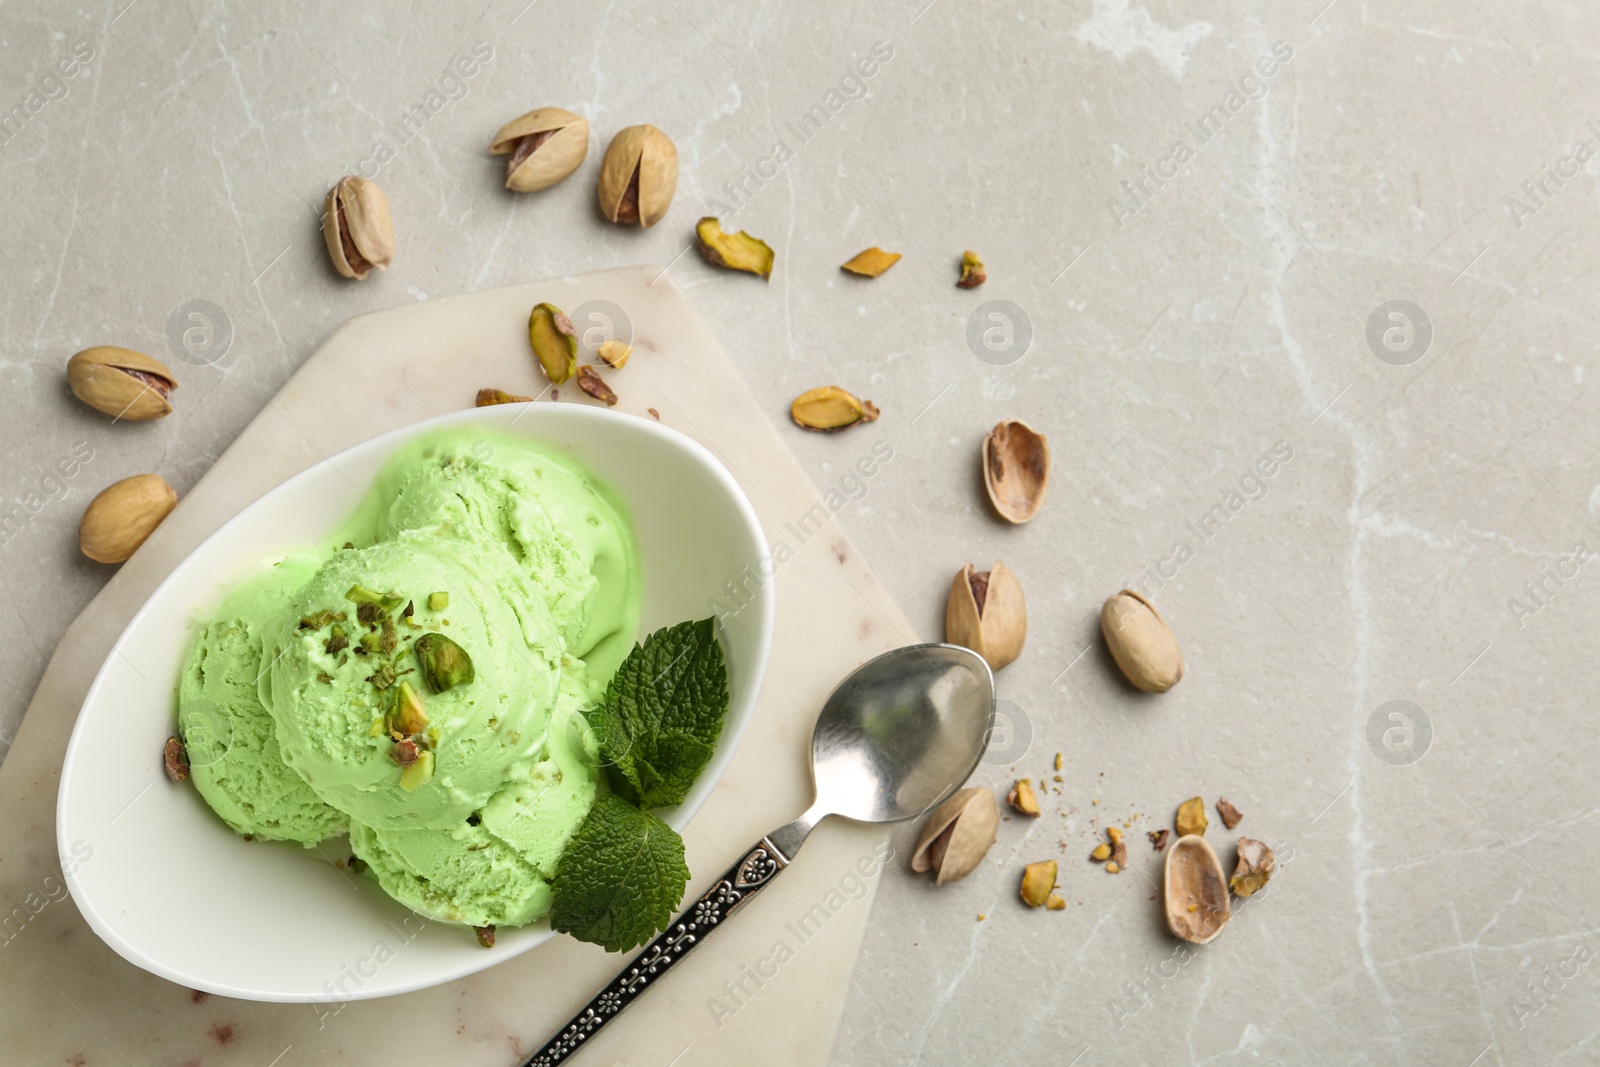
[741,882]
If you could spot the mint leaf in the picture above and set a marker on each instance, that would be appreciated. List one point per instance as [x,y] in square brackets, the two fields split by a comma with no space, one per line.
[662,713]
[619,878]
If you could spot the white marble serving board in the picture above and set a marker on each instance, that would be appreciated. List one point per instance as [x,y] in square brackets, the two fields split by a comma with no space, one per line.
[768,988]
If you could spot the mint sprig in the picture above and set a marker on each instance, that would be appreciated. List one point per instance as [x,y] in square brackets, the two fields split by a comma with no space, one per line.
[662,714]
[619,878]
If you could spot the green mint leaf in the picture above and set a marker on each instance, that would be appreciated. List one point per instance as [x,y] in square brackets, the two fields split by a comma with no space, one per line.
[662,713]
[619,878]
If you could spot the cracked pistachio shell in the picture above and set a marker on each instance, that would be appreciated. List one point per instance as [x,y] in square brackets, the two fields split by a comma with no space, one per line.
[1256,862]
[957,836]
[1016,470]
[122,383]
[357,227]
[998,629]
[554,341]
[1140,642]
[117,521]
[1196,893]
[545,146]
[638,176]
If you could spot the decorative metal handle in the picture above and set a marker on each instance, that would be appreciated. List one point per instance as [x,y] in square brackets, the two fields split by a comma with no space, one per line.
[758,867]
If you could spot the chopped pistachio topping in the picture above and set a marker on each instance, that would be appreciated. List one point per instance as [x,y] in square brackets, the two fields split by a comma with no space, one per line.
[443,663]
[438,601]
[389,639]
[407,716]
[317,620]
[360,594]
[338,641]
[418,773]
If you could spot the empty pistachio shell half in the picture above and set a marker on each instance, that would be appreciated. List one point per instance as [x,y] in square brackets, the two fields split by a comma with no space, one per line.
[357,227]
[871,263]
[638,176]
[1196,893]
[736,251]
[986,613]
[828,407]
[957,836]
[545,146]
[554,341]
[1038,879]
[117,521]
[1140,642]
[1255,865]
[121,382]
[1016,470]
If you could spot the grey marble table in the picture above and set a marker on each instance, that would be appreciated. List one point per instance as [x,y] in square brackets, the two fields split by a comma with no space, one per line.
[1352,244]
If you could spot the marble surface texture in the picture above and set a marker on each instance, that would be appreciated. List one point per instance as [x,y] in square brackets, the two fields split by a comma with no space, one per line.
[1359,234]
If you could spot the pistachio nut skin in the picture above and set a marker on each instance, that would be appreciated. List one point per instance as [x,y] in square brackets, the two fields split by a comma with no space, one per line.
[122,383]
[118,520]
[357,228]
[638,176]
[545,146]
[995,629]
[957,835]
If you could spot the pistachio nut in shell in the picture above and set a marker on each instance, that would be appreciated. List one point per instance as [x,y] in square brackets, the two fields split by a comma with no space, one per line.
[638,176]
[736,251]
[357,227]
[957,836]
[545,146]
[554,342]
[986,613]
[1196,893]
[1016,470]
[1140,642]
[122,383]
[829,407]
[117,521]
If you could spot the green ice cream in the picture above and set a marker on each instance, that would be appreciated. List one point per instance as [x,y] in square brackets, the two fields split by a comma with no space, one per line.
[460,789]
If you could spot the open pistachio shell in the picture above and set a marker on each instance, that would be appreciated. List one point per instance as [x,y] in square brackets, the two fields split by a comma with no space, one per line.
[1016,470]
[986,612]
[957,836]
[357,228]
[125,384]
[736,251]
[638,176]
[1141,643]
[1196,893]
[545,146]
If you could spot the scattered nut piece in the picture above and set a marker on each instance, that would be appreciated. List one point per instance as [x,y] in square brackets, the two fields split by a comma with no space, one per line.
[491,397]
[828,407]
[485,935]
[614,354]
[122,383]
[871,263]
[638,176]
[356,227]
[176,758]
[1054,902]
[1140,642]
[554,342]
[1192,817]
[986,612]
[1101,853]
[1158,839]
[1230,814]
[654,414]
[1196,895]
[1112,868]
[957,836]
[1021,797]
[736,251]
[1255,865]
[118,520]
[590,382]
[1016,470]
[1038,879]
[545,146]
[972,274]
[403,752]
[1119,850]
[1058,762]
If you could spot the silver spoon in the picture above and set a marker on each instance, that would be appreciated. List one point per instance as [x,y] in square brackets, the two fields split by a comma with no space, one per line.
[896,738]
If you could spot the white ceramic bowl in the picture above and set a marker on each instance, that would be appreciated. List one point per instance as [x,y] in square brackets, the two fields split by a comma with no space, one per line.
[173,890]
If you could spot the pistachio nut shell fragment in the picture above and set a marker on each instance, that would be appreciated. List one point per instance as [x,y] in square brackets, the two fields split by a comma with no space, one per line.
[117,521]
[1255,865]
[1191,820]
[554,342]
[972,273]
[1038,881]
[736,251]
[590,382]
[1196,895]
[828,407]
[545,146]
[871,262]
[1016,470]
[122,383]
[986,612]
[638,176]
[1140,642]
[357,228]
[957,835]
